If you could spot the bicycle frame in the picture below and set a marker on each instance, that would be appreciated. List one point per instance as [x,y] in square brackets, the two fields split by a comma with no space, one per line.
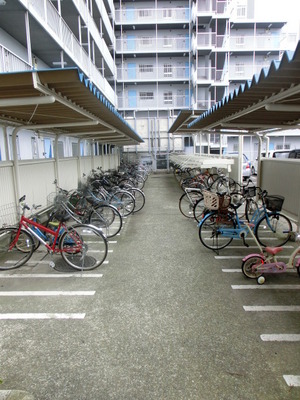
[27,224]
[268,261]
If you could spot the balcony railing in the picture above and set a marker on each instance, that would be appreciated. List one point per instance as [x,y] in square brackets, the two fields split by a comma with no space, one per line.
[133,44]
[144,73]
[10,62]
[243,71]
[266,42]
[218,6]
[211,74]
[48,16]
[152,15]
[163,101]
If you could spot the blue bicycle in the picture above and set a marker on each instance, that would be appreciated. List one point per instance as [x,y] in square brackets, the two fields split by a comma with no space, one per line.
[222,224]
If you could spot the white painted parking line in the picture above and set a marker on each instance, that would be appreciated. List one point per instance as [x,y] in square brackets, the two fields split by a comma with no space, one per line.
[280,338]
[112,242]
[272,308]
[292,380]
[42,316]
[49,293]
[231,270]
[266,287]
[71,275]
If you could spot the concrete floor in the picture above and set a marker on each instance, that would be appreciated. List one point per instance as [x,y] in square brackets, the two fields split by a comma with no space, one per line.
[164,322]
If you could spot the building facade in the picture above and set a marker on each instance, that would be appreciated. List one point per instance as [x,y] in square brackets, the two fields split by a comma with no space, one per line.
[151,59]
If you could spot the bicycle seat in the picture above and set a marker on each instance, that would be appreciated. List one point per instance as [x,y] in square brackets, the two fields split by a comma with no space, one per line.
[273,250]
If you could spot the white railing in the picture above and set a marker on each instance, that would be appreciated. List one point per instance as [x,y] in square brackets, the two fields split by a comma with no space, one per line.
[140,73]
[160,101]
[149,44]
[152,15]
[46,13]
[219,6]
[211,74]
[10,62]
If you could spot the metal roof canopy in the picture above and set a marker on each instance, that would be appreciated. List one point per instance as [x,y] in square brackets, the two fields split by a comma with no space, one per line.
[62,101]
[270,101]
[180,125]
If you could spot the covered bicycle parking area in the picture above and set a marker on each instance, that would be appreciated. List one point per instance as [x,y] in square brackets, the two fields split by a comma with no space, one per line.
[268,103]
[56,103]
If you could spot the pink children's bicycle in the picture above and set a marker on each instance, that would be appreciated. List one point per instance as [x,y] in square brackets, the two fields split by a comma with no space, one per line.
[256,265]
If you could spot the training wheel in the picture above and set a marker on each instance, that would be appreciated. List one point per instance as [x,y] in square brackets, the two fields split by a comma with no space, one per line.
[52,264]
[261,280]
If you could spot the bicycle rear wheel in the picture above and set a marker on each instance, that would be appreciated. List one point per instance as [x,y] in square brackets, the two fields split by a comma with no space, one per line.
[83,247]
[273,230]
[199,209]
[14,253]
[106,218]
[209,231]
[123,201]
[187,202]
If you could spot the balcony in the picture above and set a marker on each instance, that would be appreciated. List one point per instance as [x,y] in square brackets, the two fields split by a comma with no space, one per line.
[143,72]
[132,16]
[147,45]
[10,62]
[62,37]
[212,76]
[244,71]
[151,101]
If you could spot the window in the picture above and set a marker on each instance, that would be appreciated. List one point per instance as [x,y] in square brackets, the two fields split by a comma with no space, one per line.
[146,41]
[145,68]
[239,69]
[146,96]
[168,70]
[145,13]
[168,98]
[167,13]
[167,41]
[240,41]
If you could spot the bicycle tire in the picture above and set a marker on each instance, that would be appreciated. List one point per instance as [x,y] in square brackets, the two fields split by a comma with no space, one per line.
[83,247]
[209,234]
[248,264]
[123,201]
[186,206]
[199,209]
[106,218]
[20,253]
[274,234]
[139,198]
[252,206]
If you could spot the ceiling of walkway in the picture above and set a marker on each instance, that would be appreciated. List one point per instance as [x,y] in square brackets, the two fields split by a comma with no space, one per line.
[62,101]
[271,100]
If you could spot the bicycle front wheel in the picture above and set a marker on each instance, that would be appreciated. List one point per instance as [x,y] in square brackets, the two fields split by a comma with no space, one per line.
[15,252]
[273,230]
[83,247]
[106,218]
[210,231]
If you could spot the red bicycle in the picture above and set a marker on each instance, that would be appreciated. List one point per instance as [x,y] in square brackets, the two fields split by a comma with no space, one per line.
[81,246]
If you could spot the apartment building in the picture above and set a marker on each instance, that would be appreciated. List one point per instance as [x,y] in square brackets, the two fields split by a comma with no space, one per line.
[150,59]
[187,55]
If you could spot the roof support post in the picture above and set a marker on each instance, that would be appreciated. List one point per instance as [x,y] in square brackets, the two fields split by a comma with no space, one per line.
[259,158]
[240,158]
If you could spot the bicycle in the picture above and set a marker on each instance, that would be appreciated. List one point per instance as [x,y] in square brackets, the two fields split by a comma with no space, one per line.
[255,265]
[188,200]
[82,246]
[220,226]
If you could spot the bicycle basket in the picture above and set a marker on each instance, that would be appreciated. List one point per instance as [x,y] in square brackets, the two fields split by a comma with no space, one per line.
[211,200]
[274,203]
[224,202]
[59,208]
[249,191]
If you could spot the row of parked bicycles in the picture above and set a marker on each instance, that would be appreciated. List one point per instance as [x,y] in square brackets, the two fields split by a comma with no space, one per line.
[225,210]
[79,222]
